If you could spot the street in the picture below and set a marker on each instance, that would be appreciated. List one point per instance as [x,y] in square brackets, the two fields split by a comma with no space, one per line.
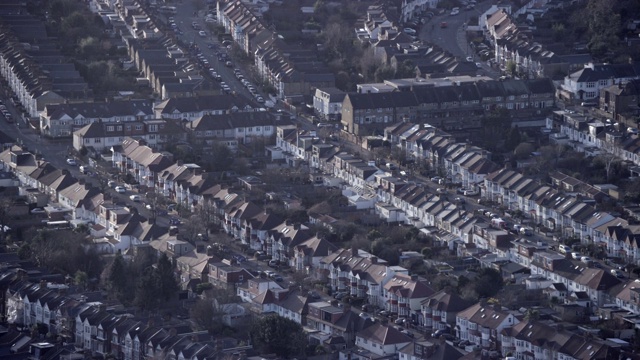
[453,37]
[184,18]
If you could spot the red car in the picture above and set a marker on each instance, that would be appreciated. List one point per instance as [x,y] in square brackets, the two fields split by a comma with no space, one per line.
[443,24]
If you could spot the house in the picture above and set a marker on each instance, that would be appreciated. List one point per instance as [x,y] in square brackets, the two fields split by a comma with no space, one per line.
[237,127]
[142,162]
[226,276]
[482,324]
[61,120]
[380,340]
[541,340]
[439,310]
[621,98]
[195,107]
[435,349]
[328,323]
[327,103]
[256,286]
[405,294]
[37,80]
[308,254]
[358,273]
[586,84]
[100,136]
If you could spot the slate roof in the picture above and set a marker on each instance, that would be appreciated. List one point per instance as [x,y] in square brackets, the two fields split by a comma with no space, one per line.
[100,110]
[383,334]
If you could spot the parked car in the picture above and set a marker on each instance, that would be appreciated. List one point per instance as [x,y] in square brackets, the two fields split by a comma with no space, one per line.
[72,162]
[437,333]
[383,313]
[617,273]
[340,295]
[120,189]
[399,321]
[314,295]
[135,198]
[575,255]
[273,263]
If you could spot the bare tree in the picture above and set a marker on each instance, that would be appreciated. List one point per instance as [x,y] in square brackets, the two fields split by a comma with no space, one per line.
[608,160]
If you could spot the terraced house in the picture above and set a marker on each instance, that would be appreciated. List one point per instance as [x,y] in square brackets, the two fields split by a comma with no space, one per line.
[61,120]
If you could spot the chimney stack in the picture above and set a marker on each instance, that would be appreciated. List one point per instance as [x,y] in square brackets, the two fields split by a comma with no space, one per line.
[374,260]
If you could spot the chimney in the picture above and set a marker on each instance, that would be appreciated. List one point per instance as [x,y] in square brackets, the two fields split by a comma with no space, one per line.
[65,172]
[81,181]
[173,230]
[414,277]
[179,163]
[374,260]
[354,250]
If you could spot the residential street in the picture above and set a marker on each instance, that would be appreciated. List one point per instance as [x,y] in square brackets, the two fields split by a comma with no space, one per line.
[184,18]
[452,37]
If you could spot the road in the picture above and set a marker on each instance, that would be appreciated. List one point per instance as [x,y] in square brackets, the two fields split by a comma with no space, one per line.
[186,15]
[453,37]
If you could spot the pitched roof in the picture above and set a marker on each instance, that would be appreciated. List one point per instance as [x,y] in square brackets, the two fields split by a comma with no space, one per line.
[383,334]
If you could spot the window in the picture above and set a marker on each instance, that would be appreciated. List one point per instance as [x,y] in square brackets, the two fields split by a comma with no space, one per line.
[138,127]
[591,84]
[110,128]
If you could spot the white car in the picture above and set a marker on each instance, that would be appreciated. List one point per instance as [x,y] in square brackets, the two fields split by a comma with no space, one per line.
[37,211]
[202,33]
[72,162]
[409,31]
[135,198]
[120,189]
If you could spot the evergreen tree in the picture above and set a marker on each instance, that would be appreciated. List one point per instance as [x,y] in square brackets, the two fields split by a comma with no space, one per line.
[118,281]
[167,285]
[513,139]
[147,295]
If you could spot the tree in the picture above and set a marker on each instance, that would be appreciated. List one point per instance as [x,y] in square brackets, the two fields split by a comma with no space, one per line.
[523,150]
[147,294]
[279,335]
[513,139]
[167,285]
[383,73]
[406,70]
[202,315]
[608,160]
[511,68]
[220,158]
[118,281]
[81,279]
[531,314]
[488,283]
